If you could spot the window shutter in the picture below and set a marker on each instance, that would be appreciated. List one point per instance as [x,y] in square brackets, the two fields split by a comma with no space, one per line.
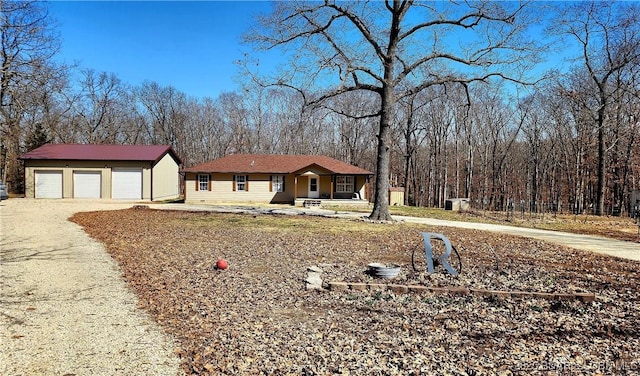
[197,182]
[209,182]
[284,178]
[246,183]
[234,183]
[270,183]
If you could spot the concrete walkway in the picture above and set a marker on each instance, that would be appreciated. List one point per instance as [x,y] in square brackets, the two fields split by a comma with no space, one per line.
[612,247]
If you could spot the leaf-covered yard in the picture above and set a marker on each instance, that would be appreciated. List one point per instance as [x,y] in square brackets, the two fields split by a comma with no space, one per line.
[257,317]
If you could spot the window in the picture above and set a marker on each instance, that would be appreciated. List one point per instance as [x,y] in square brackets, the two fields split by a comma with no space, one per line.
[277,183]
[203,183]
[241,183]
[344,183]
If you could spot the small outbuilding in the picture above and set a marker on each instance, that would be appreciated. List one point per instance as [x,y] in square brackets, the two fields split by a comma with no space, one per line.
[457,204]
[396,196]
[274,178]
[119,172]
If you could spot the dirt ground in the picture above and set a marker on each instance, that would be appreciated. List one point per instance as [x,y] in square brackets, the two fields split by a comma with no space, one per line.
[65,308]
[258,318]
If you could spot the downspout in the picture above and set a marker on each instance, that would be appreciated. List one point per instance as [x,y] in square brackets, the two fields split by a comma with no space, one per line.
[151,190]
[184,186]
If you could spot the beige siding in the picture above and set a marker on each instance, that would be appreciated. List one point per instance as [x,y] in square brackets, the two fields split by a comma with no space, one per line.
[165,179]
[303,186]
[361,186]
[325,186]
[222,190]
[396,197]
[68,167]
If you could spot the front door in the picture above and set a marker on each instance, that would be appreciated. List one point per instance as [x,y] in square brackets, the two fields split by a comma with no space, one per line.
[313,187]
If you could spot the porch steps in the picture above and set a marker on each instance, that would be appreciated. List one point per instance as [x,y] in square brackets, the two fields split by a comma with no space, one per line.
[312,203]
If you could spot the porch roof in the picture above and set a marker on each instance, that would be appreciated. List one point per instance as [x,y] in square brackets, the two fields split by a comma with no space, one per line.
[276,164]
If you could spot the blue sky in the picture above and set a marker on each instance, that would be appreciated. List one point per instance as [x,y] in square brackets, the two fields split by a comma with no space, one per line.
[189,45]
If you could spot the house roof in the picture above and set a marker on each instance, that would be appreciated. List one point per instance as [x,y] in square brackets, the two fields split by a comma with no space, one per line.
[276,164]
[103,152]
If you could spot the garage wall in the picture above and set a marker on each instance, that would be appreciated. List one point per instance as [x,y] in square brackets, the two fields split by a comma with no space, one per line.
[68,167]
[165,178]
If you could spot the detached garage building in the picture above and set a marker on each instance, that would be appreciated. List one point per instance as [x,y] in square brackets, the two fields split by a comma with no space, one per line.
[119,172]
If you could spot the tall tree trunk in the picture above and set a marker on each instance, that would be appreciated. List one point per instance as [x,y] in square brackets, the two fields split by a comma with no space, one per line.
[602,156]
[381,203]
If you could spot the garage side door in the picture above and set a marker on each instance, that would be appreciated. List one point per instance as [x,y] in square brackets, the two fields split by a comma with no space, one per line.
[48,184]
[126,184]
[86,184]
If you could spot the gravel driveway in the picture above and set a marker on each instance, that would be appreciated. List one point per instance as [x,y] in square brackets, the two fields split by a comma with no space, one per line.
[64,307]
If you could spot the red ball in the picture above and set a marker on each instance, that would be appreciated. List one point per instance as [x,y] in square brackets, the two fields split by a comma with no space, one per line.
[222,264]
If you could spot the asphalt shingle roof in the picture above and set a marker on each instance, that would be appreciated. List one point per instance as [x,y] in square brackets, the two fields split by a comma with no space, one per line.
[276,164]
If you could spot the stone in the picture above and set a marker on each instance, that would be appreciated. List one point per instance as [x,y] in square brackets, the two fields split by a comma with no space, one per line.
[314,269]
[311,286]
[314,278]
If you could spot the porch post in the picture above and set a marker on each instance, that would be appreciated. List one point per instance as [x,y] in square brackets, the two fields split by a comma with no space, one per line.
[295,188]
[355,184]
[331,186]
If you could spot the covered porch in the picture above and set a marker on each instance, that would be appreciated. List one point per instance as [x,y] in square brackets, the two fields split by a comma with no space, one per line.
[315,188]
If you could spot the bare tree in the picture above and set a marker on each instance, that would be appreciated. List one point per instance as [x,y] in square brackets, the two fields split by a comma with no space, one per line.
[394,49]
[353,131]
[164,110]
[608,35]
[235,117]
[497,130]
[99,110]
[27,46]
[413,136]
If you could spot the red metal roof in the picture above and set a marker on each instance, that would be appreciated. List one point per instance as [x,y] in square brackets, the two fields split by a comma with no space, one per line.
[103,152]
[276,164]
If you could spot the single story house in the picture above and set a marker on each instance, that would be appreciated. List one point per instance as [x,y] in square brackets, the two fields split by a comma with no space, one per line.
[119,172]
[271,178]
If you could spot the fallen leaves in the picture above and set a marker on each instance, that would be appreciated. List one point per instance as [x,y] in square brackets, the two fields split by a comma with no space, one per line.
[258,318]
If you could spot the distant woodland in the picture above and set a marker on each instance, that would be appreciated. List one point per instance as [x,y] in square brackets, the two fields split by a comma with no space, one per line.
[568,141]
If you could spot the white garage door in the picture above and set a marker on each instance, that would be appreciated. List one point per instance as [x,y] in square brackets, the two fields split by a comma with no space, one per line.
[126,184]
[48,184]
[86,184]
